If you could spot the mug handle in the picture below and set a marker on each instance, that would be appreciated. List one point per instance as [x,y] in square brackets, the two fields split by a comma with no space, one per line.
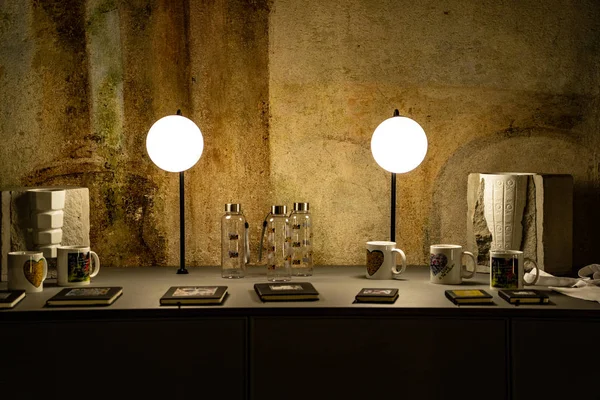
[96,263]
[468,275]
[45,268]
[394,268]
[537,273]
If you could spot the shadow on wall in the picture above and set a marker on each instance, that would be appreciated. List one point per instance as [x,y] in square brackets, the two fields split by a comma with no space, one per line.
[539,153]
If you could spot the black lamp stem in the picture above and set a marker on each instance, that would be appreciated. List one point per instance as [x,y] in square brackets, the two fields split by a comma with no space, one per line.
[393,202]
[393,210]
[181,269]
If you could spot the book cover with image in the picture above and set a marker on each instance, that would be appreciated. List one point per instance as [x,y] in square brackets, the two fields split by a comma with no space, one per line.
[524,296]
[286,291]
[194,295]
[377,295]
[469,296]
[85,296]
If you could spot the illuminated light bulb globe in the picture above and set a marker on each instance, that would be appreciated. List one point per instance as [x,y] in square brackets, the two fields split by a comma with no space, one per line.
[399,144]
[174,143]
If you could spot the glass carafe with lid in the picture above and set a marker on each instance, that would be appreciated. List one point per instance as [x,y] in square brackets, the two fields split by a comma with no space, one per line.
[301,240]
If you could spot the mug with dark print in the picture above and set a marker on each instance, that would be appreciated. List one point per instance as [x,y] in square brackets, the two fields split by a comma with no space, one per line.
[76,265]
[507,270]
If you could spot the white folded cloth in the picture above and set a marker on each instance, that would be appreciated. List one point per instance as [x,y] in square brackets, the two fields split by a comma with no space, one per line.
[586,287]
[591,293]
[546,279]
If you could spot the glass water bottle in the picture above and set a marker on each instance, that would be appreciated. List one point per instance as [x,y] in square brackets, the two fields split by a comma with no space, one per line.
[278,245]
[234,240]
[301,240]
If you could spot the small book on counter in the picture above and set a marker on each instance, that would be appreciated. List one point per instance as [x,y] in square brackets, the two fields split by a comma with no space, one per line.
[86,296]
[524,296]
[469,296]
[192,295]
[10,298]
[377,295]
[286,291]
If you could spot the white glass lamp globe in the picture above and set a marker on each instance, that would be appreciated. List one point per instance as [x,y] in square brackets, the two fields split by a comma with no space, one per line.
[399,144]
[174,143]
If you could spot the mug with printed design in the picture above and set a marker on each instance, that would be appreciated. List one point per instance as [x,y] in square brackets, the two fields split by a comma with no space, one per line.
[76,265]
[445,264]
[27,271]
[507,270]
[381,260]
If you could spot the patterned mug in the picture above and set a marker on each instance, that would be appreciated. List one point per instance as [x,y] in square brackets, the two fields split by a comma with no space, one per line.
[445,264]
[381,260]
[27,271]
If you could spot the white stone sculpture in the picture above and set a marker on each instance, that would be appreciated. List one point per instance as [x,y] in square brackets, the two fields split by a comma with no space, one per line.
[47,218]
[504,198]
[531,212]
[24,227]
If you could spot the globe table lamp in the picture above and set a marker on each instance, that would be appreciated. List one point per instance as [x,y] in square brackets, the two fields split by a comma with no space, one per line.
[175,144]
[399,145]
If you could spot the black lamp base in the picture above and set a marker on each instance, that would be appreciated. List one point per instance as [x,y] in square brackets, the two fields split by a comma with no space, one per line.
[182,270]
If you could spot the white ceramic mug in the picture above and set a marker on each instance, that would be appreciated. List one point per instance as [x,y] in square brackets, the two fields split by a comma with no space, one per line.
[445,264]
[381,260]
[27,271]
[507,270]
[76,265]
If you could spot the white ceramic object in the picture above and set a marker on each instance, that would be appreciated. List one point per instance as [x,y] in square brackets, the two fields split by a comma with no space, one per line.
[27,271]
[504,196]
[48,236]
[381,260]
[47,219]
[47,199]
[76,265]
[507,270]
[445,264]
[49,250]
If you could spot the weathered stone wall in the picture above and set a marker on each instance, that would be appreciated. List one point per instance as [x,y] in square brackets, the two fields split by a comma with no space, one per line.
[497,86]
[287,94]
[81,82]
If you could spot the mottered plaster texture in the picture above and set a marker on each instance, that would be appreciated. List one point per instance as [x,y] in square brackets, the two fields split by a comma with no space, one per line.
[85,91]
[287,94]
[82,82]
[229,95]
[497,86]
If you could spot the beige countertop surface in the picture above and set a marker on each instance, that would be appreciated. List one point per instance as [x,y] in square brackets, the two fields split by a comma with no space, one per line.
[337,286]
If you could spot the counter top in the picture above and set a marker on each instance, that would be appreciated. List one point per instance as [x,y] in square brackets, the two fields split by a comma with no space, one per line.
[337,285]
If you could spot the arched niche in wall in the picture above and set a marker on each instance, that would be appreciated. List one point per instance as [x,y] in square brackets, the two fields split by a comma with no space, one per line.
[537,152]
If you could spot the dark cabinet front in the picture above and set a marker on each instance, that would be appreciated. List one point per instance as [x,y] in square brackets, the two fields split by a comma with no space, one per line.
[280,356]
[117,359]
[555,358]
[362,357]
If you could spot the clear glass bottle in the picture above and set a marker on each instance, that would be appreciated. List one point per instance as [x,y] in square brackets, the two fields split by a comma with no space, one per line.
[278,245]
[234,240]
[301,240]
